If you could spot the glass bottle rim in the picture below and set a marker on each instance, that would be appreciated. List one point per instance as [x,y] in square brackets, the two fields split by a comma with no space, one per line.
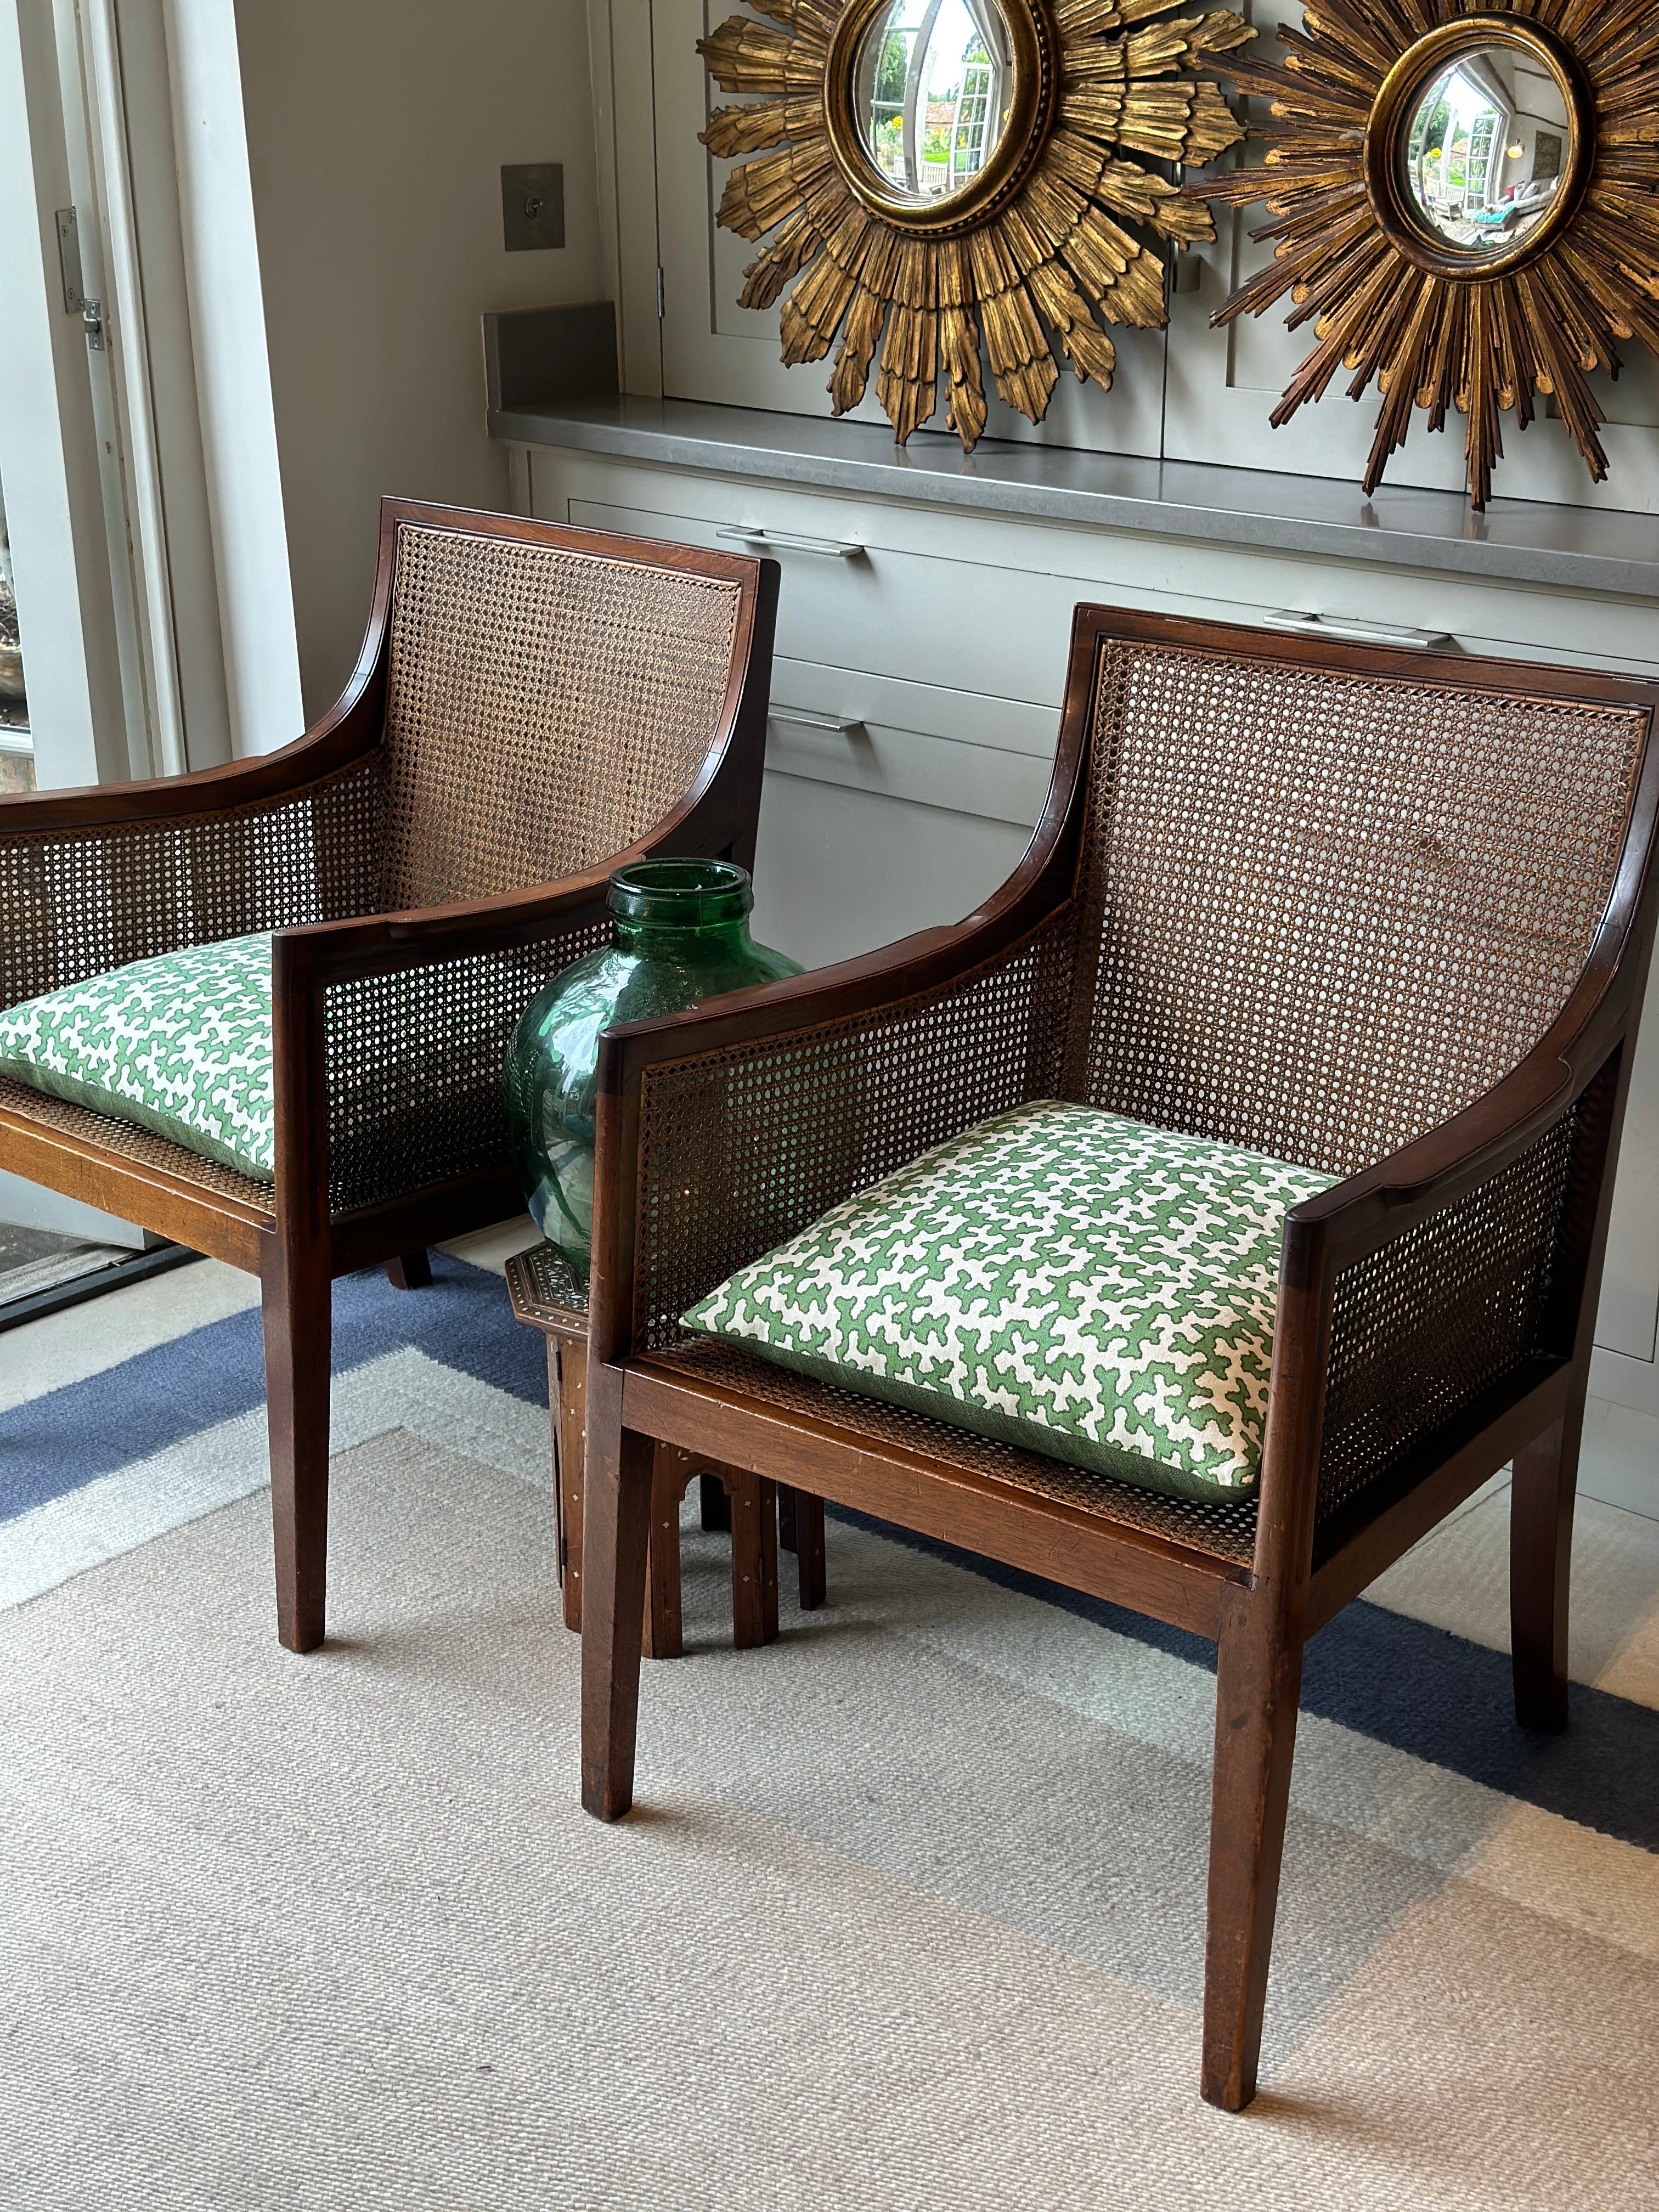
[680,894]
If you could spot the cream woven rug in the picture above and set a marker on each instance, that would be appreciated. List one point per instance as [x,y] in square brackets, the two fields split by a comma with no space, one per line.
[910,1916]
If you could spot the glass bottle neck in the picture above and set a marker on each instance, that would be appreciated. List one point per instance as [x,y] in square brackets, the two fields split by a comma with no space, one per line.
[682,940]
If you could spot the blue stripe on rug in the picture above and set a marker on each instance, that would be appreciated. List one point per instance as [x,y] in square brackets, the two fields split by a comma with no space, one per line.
[53,1444]
[1419,1689]
[1397,1680]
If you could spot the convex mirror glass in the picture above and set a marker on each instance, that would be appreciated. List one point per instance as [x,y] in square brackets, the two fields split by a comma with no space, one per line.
[933,84]
[1485,148]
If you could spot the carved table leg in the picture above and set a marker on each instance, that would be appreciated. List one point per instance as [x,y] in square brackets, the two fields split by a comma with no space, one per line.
[754,1559]
[664,1634]
[570,1363]
[808,1551]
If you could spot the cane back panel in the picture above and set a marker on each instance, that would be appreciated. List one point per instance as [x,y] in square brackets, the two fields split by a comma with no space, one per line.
[1325,911]
[544,708]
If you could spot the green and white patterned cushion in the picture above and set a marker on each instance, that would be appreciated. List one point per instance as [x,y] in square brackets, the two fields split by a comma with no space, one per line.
[1059,1278]
[180,1044]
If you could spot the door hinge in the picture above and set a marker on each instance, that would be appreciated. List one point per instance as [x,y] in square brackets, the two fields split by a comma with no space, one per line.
[76,301]
[662,308]
[69,260]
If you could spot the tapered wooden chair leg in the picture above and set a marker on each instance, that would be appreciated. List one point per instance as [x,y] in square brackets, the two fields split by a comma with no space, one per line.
[617,1526]
[786,1518]
[295,1309]
[1540,1567]
[754,1559]
[1258,1681]
[809,1550]
[567,1383]
[410,1271]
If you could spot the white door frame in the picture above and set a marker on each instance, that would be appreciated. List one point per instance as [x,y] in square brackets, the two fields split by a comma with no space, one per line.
[49,445]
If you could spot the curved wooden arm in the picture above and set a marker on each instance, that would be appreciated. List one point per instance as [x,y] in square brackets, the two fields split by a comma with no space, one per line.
[350,728]
[386,944]
[907,992]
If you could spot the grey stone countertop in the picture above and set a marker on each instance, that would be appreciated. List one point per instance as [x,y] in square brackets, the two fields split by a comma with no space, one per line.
[1525,541]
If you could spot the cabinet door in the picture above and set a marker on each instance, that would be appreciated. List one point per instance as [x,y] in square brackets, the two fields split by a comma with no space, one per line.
[1629,1316]
[1224,384]
[714,350]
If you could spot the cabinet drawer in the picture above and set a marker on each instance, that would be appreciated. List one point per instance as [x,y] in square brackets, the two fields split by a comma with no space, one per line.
[987,598]
[961,625]
[945,750]
[840,871]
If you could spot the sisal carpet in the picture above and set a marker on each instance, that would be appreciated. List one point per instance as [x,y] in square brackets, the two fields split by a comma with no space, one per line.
[911,1915]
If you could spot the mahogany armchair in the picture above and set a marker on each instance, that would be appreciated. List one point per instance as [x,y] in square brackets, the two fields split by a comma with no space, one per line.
[533,705]
[1384,914]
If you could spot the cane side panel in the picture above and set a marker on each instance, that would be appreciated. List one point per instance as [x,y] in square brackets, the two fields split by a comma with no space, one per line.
[544,709]
[415,1066]
[1423,1328]
[78,902]
[1329,910]
[743,1148]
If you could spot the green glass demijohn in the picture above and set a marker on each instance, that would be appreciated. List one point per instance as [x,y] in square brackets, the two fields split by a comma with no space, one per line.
[682,936]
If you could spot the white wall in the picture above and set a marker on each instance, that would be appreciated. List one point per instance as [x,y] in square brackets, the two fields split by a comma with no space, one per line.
[376,133]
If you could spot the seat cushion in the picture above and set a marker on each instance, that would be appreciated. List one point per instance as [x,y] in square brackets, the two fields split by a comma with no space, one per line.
[180,1044]
[1062,1279]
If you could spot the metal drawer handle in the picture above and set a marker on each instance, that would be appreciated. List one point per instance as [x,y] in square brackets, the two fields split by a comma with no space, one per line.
[1363,633]
[787,541]
[842,725]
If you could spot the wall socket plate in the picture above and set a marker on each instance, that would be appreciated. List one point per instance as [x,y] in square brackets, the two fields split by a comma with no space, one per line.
[533,206]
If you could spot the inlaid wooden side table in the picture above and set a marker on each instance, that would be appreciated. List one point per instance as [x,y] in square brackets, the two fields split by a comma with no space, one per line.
[546,1295]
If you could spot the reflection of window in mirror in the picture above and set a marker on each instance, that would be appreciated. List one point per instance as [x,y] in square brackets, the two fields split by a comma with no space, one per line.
[932,83]
[1484,147]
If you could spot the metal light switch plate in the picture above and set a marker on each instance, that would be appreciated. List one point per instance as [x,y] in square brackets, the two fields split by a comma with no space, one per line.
[533,206]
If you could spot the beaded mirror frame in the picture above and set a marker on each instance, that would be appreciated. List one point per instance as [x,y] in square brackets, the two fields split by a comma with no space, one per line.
[1064,226]
[1484,328]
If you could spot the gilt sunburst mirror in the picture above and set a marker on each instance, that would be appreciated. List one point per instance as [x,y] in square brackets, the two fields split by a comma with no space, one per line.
[1466,209]
[937,175]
